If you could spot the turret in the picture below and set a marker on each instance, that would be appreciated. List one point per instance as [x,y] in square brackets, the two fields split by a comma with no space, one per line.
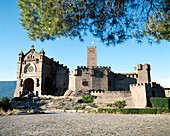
[21,54]
[91,57]
[42,53]
[21,58]
[143,72]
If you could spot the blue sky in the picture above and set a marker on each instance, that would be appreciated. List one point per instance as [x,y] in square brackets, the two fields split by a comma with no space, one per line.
[72,53]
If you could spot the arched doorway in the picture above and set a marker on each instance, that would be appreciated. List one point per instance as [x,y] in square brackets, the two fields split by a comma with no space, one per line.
[28,86]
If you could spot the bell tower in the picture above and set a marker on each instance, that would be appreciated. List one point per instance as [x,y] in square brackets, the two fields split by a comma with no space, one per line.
[91,57]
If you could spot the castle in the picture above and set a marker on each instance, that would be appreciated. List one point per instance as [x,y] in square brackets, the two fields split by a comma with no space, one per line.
[40,75]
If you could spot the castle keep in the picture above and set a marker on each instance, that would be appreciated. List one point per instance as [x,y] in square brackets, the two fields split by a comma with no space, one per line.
[39,75]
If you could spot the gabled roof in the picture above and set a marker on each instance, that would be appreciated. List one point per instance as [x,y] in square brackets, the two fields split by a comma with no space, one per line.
[32,50]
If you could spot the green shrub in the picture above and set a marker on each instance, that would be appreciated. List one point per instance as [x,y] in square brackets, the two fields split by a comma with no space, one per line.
[137,111]
[103,110]
[67,109]
[5,104]
[158,102]
[110,105]
[100,110]
[93,105]
[134,111]
[120,104]
[160,111]
[128,111]
[79,107]
[88,98]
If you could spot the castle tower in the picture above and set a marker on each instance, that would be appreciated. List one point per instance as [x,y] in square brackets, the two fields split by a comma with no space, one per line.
[91,57]
[143,72]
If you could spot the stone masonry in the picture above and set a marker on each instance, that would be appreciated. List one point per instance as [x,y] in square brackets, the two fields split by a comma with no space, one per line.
[39,75]
[136,88]
[91,57]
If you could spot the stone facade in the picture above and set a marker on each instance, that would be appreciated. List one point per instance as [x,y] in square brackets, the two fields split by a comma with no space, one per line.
[43,76]
[38,75]
[136,88]
[93,77]
[142,92]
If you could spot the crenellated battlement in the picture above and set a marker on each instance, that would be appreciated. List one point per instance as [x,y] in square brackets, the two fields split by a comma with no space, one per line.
[154,85]
[112,94]
[150,85]
[82,67]
[91,47]
[81,70]
[108,92]
[94,68]
[129,75]
[61,66]
[142,67]
[104,68]
[143,72]
[138,84]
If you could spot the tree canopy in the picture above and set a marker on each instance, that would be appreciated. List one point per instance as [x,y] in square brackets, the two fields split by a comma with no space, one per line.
[113,21]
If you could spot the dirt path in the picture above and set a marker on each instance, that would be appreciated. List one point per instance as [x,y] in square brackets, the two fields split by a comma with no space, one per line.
[76,124]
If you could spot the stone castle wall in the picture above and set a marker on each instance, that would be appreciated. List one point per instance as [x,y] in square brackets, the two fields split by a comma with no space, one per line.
[113,96]
[58,74]
[122,81]
[84,79]
[138,92]
[142,92]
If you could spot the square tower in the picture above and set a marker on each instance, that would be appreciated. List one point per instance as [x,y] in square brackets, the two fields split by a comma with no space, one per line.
[91,57]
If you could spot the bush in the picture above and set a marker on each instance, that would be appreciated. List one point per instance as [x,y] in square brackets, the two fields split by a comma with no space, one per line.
[88,98]
[158,102]
[5,104]
[93,105]
[67,109]
[79,107]
[110,105]
[120,104]
[134,111]
[137,111]
[103,110]
[160,111]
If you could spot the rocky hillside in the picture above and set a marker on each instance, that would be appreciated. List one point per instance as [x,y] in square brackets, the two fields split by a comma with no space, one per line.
[40,105]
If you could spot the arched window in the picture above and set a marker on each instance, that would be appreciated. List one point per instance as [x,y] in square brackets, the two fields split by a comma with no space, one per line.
[30,68]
